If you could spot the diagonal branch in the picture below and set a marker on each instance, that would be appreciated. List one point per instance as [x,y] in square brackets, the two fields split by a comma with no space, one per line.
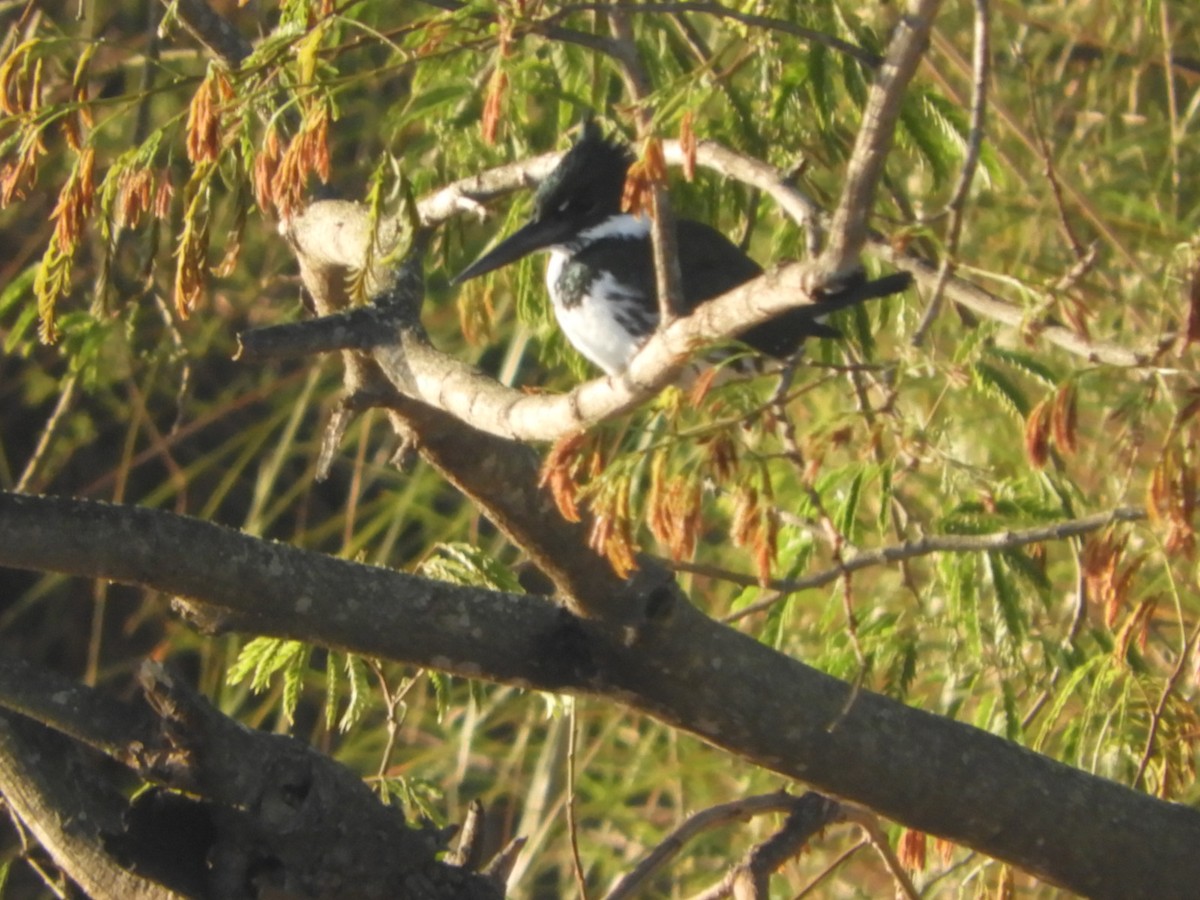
[925,771]
[237,799]
[696,824]
[973,297]
[848,232]
[330,238]
[981,67]
[69,807]
[212,30]
[668,277]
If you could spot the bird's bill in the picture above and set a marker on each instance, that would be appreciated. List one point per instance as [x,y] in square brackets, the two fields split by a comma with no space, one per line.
[536,235]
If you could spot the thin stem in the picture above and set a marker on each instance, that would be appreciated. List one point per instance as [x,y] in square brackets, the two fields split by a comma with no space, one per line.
[572,821]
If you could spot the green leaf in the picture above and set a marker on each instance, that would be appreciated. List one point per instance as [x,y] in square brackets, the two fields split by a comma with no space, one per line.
[991,382]
[1032,574]
[332,678]
[462,563]
[846,521]
[918,127]
[1026,362]
[359,697]
[905,671]
[261,658]
[885,496]
[293,682]
[441,691]
[795,552]
[1008,601]
[864,332]
[425,103]
[18,288]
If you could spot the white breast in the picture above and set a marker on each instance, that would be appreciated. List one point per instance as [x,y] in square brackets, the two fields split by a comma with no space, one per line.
[593,326]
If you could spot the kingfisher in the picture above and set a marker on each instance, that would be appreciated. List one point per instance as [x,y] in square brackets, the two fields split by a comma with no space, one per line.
[600,275]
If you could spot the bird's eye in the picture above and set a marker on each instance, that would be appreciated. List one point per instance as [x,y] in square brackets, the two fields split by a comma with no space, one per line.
[565,205]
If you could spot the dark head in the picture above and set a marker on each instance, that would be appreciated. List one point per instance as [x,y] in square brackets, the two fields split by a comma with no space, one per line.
[584,189]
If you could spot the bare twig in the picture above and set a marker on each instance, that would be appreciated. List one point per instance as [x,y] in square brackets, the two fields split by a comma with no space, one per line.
[940,543]
[501,865]
[970,295]
[1176,130]
[750,878]
[30,477]
[869,823]
[1016,125]
[212,30]
[572,819]
[1078,248]
[831,868]
[838,543]
[1185,654]
[469,852]
[980,70]
[697,823]
[717,10]
[391,702]
[668,278]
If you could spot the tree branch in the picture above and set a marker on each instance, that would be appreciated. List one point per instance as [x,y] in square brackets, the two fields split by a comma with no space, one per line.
[925,771]
[330,238]
[848,231]
[58,794]
[925,546]
[668,277]
[695,824]
[248,801]
[750,878]
[958,199]
[212,30]
[718,11]
[970,295]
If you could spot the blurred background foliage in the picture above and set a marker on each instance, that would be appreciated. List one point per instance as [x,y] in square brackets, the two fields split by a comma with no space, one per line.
[142,182]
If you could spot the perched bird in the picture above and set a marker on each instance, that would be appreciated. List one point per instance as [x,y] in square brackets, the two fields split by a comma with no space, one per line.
[601,270]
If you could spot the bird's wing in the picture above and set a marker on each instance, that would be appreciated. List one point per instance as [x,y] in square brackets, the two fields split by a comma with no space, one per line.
[711,264]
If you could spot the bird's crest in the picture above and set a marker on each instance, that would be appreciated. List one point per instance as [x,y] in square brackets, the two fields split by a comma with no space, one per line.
[592,171]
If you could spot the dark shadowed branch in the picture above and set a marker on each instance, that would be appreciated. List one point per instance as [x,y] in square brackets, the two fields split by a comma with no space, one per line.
[238,803]
[925,771]
[695,824]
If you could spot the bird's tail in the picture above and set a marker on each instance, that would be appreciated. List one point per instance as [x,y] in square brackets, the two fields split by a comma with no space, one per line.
[857,289]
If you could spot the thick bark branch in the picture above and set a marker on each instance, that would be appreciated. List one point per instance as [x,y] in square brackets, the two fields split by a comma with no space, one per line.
[928,772]
[68,806]
[240,803]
